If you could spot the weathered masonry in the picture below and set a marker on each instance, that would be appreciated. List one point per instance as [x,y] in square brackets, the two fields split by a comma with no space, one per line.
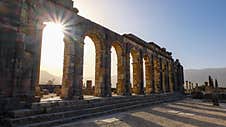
[21,26]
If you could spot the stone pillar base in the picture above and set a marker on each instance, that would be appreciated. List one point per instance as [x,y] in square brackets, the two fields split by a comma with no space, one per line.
[127,94]
[73,98]
[13,103]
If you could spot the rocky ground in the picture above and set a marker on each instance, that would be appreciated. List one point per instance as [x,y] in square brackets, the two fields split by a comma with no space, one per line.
[184,113]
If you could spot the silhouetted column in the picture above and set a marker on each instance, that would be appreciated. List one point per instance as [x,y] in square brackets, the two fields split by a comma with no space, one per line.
[163,76]
[190,87]
[152,74]
[107,73]
[141,86]
[181,78]
[157,74]
[68,74]
[78,68]
[171,77]
[187,89]
[175,74]
[37,63]
[167,77]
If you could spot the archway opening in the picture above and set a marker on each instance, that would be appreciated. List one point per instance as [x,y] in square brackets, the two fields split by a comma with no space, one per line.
[147,75]
[51,66]
[89,64]
[131,72]
[135,72]
[117,70]
[144,74]
[114,71]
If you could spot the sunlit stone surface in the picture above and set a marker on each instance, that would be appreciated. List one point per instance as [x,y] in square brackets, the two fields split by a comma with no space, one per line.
[164,116]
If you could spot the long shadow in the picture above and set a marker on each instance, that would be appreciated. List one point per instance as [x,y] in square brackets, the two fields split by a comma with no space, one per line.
[134,121]
[197,104]
[199,108]
[194,112]
[89,124]
[184,120]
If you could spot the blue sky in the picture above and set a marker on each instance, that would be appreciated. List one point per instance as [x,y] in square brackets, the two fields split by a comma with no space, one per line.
[194,30]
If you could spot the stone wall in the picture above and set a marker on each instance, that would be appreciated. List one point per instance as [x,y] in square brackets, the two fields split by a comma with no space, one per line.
[20,50]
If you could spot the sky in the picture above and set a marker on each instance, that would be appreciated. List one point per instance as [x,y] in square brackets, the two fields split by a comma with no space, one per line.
[194,31]
[52,52]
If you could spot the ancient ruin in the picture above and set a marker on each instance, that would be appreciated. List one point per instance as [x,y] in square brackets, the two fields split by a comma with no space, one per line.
[20,50]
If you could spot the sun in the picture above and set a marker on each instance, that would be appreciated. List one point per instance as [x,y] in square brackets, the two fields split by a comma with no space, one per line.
[55,28]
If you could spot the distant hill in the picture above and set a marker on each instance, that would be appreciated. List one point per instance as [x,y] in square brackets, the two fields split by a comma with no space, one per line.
[193,75]
[46,76]
[201,75]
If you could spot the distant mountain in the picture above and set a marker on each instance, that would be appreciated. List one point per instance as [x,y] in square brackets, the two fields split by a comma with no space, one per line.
[193,75]
[46,76]
[201,75]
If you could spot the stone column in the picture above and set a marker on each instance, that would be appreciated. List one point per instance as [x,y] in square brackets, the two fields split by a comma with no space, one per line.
[157,74]
[181,79]
[175,73]
[121,67]
[100,76]
[171,77]
[127,72]
[163,76]
[187,89]
[190,88]
[77,63]
[152,74]
[149,78]
[136,75]
[141,85]
[37,62]
[68,69]
[27,65]
[167,77]
[16,64]
[107,73]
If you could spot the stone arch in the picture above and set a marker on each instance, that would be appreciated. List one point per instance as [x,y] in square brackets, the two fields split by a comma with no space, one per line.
[120,86]
[68,53]
[53,15]
[99,72]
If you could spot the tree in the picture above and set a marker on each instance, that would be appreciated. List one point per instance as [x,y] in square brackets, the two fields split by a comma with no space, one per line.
[211,82]
[216,83]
